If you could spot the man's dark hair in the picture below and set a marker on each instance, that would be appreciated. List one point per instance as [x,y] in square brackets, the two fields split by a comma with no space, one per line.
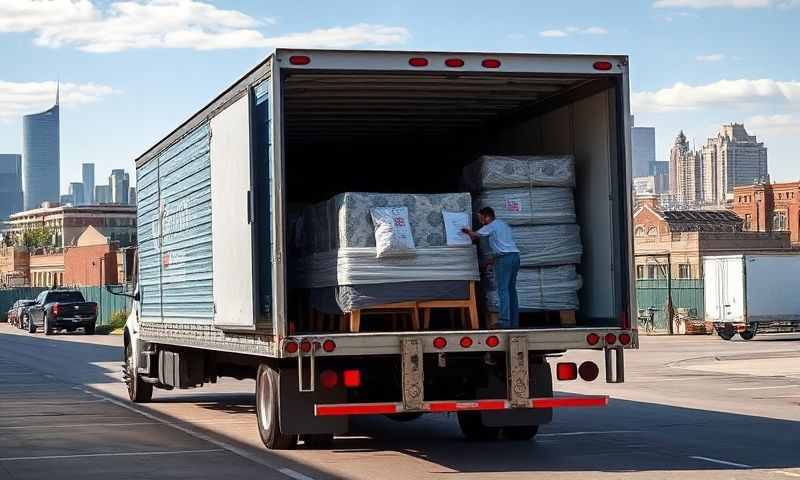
[488,211]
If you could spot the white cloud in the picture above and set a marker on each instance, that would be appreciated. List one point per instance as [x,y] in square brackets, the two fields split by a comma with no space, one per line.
[565,32]
[135,24]
[779,124]
[734,93]
[713,57]
[553,33]
[20,98]
[740,4]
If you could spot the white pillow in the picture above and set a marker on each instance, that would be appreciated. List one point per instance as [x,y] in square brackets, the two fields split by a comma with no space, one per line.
[453,223]
[392,231]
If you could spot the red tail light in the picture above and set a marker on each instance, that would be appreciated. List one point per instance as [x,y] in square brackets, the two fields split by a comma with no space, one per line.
[592,339]
[299,60]
[465,342]
[454,62]
[328,379]
[290,347]
[566,371]
[56,309]
[492,341]
[418,62]
[352,378]
[603,66]
[611,339]
[305,346]
[589,371]
[624,338]
[329,345]
[439,342]
[491,63]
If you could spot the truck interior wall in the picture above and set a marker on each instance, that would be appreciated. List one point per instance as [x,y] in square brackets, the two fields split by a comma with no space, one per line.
[422,162]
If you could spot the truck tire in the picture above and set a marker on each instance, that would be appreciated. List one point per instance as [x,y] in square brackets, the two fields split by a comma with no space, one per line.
[521,433]
[747,334]
[138,391]
[268,410]
[473,429]
[89,329]
[31,326]
[46,327]
[726,333]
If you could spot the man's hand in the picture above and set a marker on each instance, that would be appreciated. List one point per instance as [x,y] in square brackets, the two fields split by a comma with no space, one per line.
[467,231]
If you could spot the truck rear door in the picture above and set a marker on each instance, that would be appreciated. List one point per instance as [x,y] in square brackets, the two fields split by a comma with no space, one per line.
[728,288]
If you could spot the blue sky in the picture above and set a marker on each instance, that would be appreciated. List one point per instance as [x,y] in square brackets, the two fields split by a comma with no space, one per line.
[132,70]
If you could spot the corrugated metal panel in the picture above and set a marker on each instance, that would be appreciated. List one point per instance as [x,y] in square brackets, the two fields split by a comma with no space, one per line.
[10,295]
[185,198]
[149,228]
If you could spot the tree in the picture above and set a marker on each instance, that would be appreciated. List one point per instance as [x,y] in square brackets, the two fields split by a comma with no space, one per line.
[38,237]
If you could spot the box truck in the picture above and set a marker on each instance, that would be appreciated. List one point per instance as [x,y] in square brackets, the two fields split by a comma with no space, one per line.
[748,294]
[213,299]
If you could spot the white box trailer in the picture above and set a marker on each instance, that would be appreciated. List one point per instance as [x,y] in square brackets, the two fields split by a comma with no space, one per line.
[751,293]
[213,298]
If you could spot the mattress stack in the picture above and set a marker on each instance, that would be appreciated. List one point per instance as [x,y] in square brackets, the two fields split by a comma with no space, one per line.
[337,261]
[534,195]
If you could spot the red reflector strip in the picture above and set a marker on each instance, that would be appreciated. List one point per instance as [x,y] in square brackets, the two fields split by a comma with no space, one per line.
[355,409]
[570,402]
[459,406]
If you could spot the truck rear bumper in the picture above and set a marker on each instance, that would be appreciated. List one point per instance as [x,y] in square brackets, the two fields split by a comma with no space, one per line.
[387,408]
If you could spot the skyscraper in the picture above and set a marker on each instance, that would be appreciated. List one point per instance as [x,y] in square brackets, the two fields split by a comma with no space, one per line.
[77,193]
[119,182]
[732,158]
[102,194]
[88,183]
[643,143]
[10,184]
[132,196]
[685,172]
[40,157]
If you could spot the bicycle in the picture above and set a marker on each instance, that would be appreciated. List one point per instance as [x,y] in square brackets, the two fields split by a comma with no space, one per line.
[647,321]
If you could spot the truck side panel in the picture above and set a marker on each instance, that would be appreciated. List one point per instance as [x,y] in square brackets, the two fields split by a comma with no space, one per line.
[769,281]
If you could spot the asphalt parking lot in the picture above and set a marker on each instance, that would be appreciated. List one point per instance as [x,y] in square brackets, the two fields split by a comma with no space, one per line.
[692,407]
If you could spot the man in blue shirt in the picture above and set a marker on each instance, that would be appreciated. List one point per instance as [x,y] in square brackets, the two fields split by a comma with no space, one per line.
[505,256]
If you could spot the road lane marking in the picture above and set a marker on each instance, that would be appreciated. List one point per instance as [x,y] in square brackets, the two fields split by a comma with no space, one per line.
[202,436]
[293,474]
[601,432]
[722,462]
[738,389]
[80,425]
[120,454]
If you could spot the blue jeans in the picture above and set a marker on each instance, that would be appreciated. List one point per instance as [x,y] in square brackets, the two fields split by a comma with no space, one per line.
[506,267]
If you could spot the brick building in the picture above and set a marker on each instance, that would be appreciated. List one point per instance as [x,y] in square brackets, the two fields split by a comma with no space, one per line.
[770,207]
[92,261]
[684,237]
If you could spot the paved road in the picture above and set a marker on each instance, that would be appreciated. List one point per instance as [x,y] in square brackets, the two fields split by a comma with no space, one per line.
[693,407]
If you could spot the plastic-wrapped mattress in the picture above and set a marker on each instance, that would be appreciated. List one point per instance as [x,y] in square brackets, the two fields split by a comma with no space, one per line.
[530,206]
[545,245]
[543,288]
[491,172]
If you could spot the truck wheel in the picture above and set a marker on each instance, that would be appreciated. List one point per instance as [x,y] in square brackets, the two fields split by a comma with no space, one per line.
[89,329]
[747,334]
[521,433]
[268,410]
[138,391]
[46,328]
[473,428]
[726,334]
[31,326]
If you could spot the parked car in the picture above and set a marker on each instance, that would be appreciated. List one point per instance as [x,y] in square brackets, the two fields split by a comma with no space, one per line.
[56,310]
[17,312]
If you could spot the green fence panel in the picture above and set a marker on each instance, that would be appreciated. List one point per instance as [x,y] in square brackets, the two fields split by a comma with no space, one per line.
[686,294]
[10,295]
[107,303]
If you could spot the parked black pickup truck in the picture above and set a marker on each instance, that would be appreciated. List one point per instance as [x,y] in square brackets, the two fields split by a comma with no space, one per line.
[56,310]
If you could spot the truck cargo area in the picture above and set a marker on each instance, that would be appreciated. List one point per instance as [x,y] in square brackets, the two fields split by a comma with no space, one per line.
[409,132]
